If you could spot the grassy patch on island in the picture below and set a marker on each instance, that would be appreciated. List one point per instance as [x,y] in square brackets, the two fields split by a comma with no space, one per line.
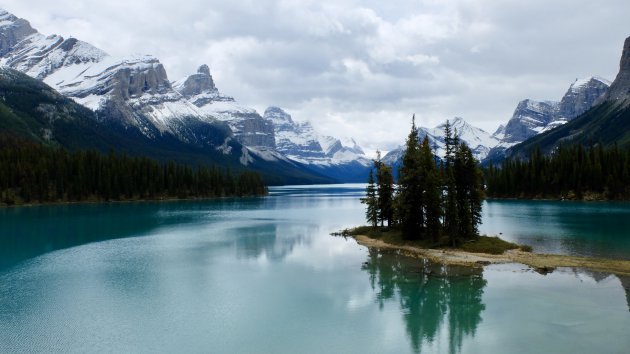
[393,236]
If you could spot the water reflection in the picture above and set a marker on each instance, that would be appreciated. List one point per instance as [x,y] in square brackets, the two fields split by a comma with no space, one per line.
[625,282]
[440,305]
[272,241]
[27,232]
[598,277]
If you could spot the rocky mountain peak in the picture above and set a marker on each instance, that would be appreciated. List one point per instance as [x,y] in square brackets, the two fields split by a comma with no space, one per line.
[278,115]
[530,118]
[12,31]
[620,88]
[581,96]
[204,70]
[197,84]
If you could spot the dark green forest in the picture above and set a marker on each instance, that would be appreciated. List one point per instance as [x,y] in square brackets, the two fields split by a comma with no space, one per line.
[34,173]
[574,172]
[436,200]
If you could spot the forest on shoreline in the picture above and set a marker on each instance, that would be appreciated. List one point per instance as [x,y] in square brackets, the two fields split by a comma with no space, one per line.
[572,173]
[32,173]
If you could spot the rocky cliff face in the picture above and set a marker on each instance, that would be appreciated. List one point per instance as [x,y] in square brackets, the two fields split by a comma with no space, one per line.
[581,96]
[134,91]
[341,159]
[620,88]
[300,142]
[532,117]
[12,31]
[248,126]
[297,141]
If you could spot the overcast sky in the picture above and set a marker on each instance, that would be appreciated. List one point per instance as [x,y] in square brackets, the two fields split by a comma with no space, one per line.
[360,68]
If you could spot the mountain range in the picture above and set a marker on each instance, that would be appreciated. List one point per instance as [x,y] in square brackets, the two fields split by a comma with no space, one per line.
[530,119]
[187,120]
[607,123]
[66,92]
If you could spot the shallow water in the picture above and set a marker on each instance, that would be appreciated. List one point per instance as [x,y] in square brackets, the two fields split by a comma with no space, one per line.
[264,275]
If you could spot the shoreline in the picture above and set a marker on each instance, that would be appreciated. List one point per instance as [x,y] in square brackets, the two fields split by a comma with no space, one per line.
[125,201]
[543,263]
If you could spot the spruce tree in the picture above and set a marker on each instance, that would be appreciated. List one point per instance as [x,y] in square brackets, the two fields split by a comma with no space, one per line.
[469,194]
[432,188]
[451,218]
[371,201]
[410,195]
[386,194]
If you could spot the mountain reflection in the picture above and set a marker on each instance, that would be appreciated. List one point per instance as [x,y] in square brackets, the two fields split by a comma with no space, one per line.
[433,299]
[275,242]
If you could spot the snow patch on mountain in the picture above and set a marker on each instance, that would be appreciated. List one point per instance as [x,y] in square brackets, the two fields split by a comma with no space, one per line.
[248,126]
[533,117]
[300,142]
[479,141]
[93,78]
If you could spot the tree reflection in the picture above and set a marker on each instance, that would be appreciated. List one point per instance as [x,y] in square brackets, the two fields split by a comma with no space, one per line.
[625,282]
[429,295]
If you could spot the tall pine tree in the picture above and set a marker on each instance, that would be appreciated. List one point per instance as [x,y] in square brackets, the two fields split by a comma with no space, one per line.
[371,201]
[410,194]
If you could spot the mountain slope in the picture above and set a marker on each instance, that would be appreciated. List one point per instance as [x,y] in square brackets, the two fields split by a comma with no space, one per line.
[248,126]
[477,139]
[135,107]
[344,161]
[532,117]
[32,110]
[607,123]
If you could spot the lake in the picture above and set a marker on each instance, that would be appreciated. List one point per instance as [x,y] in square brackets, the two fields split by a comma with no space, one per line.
[264,275]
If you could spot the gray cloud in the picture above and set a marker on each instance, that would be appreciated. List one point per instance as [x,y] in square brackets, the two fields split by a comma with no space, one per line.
[361,68]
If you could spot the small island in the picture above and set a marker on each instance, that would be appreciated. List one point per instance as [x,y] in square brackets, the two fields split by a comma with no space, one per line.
[434,211]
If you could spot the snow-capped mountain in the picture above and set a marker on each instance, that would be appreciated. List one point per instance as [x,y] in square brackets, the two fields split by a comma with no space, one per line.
[607,123]
[137,88]
[342,159]
[296,140]
[134,102]
[477,139]
[532,117]
[300,142]
[248,126]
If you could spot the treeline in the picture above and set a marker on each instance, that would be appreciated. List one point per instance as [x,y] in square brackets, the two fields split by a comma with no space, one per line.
[435,199]
[32,173]
[574,172]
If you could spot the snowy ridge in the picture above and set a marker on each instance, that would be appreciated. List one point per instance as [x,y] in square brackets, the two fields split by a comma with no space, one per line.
[479,141]
[247,125]
[532,117]
[93,78]
[300,142]
[579,84]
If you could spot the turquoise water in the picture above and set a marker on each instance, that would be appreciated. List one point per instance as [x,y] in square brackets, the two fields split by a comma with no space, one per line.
[264,275]
[596,229]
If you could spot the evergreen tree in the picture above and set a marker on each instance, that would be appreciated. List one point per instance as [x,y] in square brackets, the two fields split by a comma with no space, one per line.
[371,201]
[385,190]
[469,194]
[432,191]
[410,204]
[451,218]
